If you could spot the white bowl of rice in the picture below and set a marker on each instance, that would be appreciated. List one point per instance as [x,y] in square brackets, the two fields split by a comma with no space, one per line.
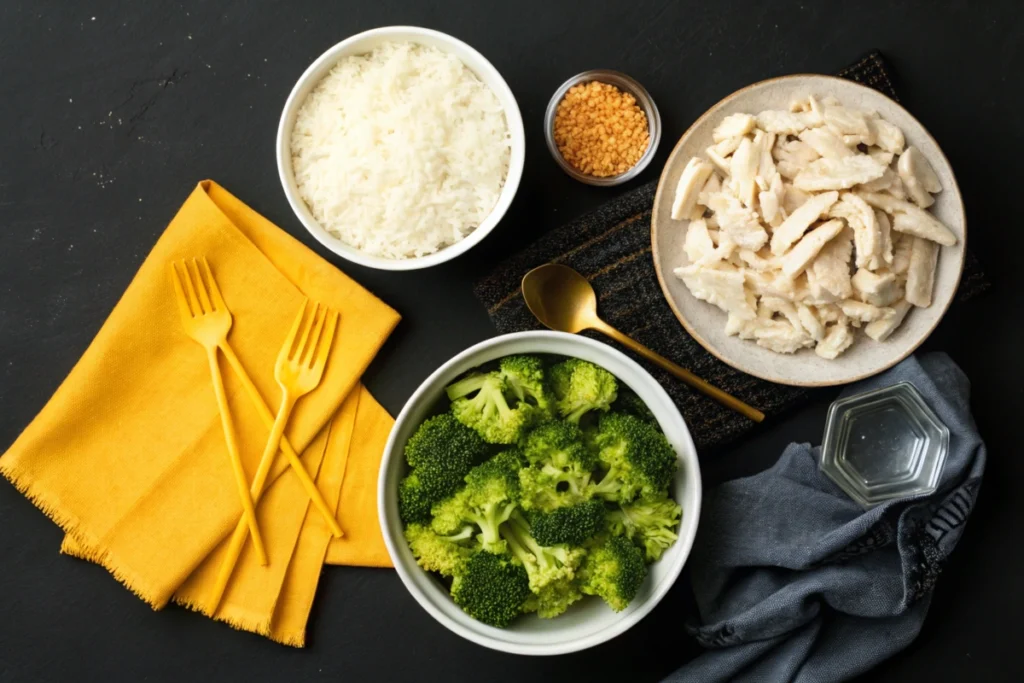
[400,148]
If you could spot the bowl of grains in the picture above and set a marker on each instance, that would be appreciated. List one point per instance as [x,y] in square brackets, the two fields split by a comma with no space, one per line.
[602,127]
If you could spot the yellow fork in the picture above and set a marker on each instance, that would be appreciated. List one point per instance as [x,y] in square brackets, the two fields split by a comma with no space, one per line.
[299,369]
[268,421]
[207,320]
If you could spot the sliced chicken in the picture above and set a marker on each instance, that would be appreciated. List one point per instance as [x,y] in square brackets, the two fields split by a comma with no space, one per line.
[740,222]
[713,184]
[880,184]
[881,329]
[787,122]
[826,143]
[830,270]
[695,174]
[877,289]
[780,337]
[809,321]
[793,228]
[770,284]
[796,151]
[734,125]
[862,312]
[771,305]
[881,156]
[921,272]
[887,136]
[919,223]
[838,174]
[766,165]
[838,338]
[801,255]
[743,168]
[698,242]
[885,230]
[867,237]
[720,161]
[793,199]
[918,177]
[758,260]
[902,246]
[722,288]
[844,121]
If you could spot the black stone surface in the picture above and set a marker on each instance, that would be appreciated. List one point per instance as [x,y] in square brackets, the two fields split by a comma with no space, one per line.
[112,111]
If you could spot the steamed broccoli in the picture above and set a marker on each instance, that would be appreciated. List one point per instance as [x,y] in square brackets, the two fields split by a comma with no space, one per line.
[524,379]
[424,487]
[444,441]
[551,569]
[488,411]
[490,496]
[629,402]
[580,387]
[561,467]
[637,458]
[571,525]
[446,555]
[652,523]
[491,588]
[613,570]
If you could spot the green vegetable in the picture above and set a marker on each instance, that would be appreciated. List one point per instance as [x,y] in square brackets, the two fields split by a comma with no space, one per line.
[446,555]
[637,459]
[614,571]
[488,499]
[488,411]
[571,525]
[580,387]
[629,402]
[491,589]
[650,523]
[551,569]
[524,379]
[561,467]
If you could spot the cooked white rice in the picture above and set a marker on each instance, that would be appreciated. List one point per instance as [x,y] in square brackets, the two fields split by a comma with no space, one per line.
[400,152]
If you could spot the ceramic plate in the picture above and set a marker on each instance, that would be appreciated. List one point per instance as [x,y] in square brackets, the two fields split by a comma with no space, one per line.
[706,323]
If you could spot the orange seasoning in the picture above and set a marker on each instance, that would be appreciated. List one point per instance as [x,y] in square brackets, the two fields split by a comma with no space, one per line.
[600,130]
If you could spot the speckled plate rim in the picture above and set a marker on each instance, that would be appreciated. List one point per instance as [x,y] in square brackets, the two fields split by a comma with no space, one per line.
[661,195]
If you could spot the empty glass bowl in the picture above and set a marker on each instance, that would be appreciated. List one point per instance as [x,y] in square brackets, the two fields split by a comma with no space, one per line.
[884,444]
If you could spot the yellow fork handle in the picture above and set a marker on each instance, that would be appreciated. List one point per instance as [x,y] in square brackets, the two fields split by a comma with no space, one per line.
[293,458]
[227,566]
[248,508]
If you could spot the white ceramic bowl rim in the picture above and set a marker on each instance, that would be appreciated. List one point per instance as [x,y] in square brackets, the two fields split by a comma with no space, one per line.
[444,610]
[477,63]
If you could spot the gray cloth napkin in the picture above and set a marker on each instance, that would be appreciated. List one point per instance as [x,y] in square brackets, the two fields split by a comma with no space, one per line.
[796,582]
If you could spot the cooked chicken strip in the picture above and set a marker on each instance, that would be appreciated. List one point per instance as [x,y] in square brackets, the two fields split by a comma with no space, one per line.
[881,329]
[723,288]
[880,184]
[800,256]
[919,223]
[838,174]
[738,221]
[713,184]
[692,179]
[843,121]
[810,322]
[881,156]
[720,162]
[867,237]
[877,289]
[728,146]
[830,271]
[862,312]
[698,242]
[743,169]
[837,339]
[732,126]
[887,136]
[793,228]
[885,230]
[918,177]
[793,199]
[921,272]
[902,246]
[826,143]
[786,122]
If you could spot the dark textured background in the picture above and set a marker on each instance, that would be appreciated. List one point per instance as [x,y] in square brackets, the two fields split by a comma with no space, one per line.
[111,112]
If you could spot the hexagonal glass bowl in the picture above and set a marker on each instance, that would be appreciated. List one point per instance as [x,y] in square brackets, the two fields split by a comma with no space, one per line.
[884,444]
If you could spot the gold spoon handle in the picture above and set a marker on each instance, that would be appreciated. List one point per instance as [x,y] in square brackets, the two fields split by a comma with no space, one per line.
[683,374]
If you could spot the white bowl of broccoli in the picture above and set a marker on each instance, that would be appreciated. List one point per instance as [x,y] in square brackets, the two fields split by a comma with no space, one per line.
[539,493]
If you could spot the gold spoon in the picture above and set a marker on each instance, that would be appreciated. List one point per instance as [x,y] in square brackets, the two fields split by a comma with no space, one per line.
[563,300]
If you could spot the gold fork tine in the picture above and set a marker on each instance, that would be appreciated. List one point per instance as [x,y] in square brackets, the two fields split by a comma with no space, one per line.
[318,326]
[326,341]
[286,347]
[179,295]
[297,351]
[218,300]
[192,300]
[204,299]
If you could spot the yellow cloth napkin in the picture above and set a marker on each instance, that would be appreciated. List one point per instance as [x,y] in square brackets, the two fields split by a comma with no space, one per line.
[128,456]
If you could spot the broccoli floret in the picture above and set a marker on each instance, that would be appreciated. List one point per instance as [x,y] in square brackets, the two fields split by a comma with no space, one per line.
[444,441]
[488,411]
[571,525]
[614,570]
[446,555]
[561,467]
[551,569]
[629,402]
[524,379]
[427,485]
[489,497]
[491,589]
[649,523]
[637,458]
[580,387]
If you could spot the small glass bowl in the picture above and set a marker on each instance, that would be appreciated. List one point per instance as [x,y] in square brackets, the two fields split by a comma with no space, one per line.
[643,99]
[884,444]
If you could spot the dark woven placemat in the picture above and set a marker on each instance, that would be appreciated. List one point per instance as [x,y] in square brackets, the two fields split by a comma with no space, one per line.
[612,248]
